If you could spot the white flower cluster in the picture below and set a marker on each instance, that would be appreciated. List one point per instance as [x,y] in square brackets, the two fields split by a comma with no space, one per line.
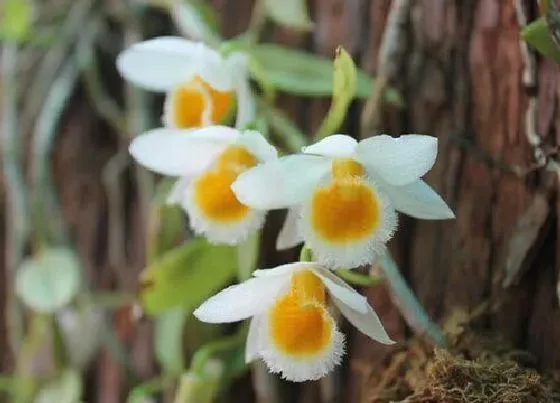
[342,198]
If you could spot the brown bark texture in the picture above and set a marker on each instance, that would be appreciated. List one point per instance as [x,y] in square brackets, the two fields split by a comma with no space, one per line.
[462,81]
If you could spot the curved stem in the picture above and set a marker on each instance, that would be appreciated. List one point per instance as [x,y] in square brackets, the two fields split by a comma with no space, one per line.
[413,312]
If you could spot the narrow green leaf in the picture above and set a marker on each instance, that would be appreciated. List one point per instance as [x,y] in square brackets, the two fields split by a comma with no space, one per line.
[291,13]
[168,339]
[344,88]
[305,74]
[49,280]
[186,276]
[537,35]
[16,20]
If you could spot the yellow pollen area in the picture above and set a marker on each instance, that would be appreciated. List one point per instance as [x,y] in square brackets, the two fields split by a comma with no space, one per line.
[190,103]
[212,190]
[345,167]
[346,210]
[236,158]
[299,323]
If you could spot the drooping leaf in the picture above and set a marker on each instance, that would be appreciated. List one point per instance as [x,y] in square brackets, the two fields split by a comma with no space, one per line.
[305,74]
[168,339]
[291,13]
[537,35]
[16,20]
[65,389]
[49,280]
[344,88]
[186,275]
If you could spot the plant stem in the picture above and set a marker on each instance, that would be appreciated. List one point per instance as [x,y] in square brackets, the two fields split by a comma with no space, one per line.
[413,312]
[355,278]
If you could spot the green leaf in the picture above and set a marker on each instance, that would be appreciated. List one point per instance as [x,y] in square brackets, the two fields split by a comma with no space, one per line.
[49,280]
[186,276]
[305,74]
[344,88]
[66,389]
[168,339]
[291,13]
[17,20]
[538,36]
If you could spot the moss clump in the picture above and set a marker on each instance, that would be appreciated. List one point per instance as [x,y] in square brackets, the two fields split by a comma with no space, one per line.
[475,369]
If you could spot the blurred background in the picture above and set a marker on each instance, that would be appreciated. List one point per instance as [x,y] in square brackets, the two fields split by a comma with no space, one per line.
[68,185]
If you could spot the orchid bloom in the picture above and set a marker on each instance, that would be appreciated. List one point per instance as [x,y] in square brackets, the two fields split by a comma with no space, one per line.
[201,86]
[207,161]
[291,328]
[342,194]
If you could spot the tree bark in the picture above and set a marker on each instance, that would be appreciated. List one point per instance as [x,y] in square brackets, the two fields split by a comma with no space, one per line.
[462,81]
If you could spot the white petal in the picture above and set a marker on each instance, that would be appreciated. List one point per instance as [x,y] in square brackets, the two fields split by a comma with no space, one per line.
[337,145]
[253,337]
[175,152]
[246,106]
[242,301]
[213,69]
[339,289]
[257,145]
[217,133]
[419,200]
[189,20]
[281,183]
[367,323]
[177,193]
[285,270]
[159,64]
[289,235]
[398,161]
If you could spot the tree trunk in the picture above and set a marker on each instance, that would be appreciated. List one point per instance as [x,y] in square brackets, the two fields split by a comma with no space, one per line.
[462,81]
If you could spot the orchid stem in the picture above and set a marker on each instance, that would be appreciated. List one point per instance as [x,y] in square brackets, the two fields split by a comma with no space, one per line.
[413,312]
[355,278]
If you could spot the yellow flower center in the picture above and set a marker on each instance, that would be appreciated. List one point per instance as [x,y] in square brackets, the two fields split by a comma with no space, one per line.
[347,209]
[299,323]
[345,167]
[190,102]
[212,190]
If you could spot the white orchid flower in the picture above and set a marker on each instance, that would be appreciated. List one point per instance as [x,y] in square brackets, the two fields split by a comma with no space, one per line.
[343,194]
[207,161]
[291,328]
[201,86]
